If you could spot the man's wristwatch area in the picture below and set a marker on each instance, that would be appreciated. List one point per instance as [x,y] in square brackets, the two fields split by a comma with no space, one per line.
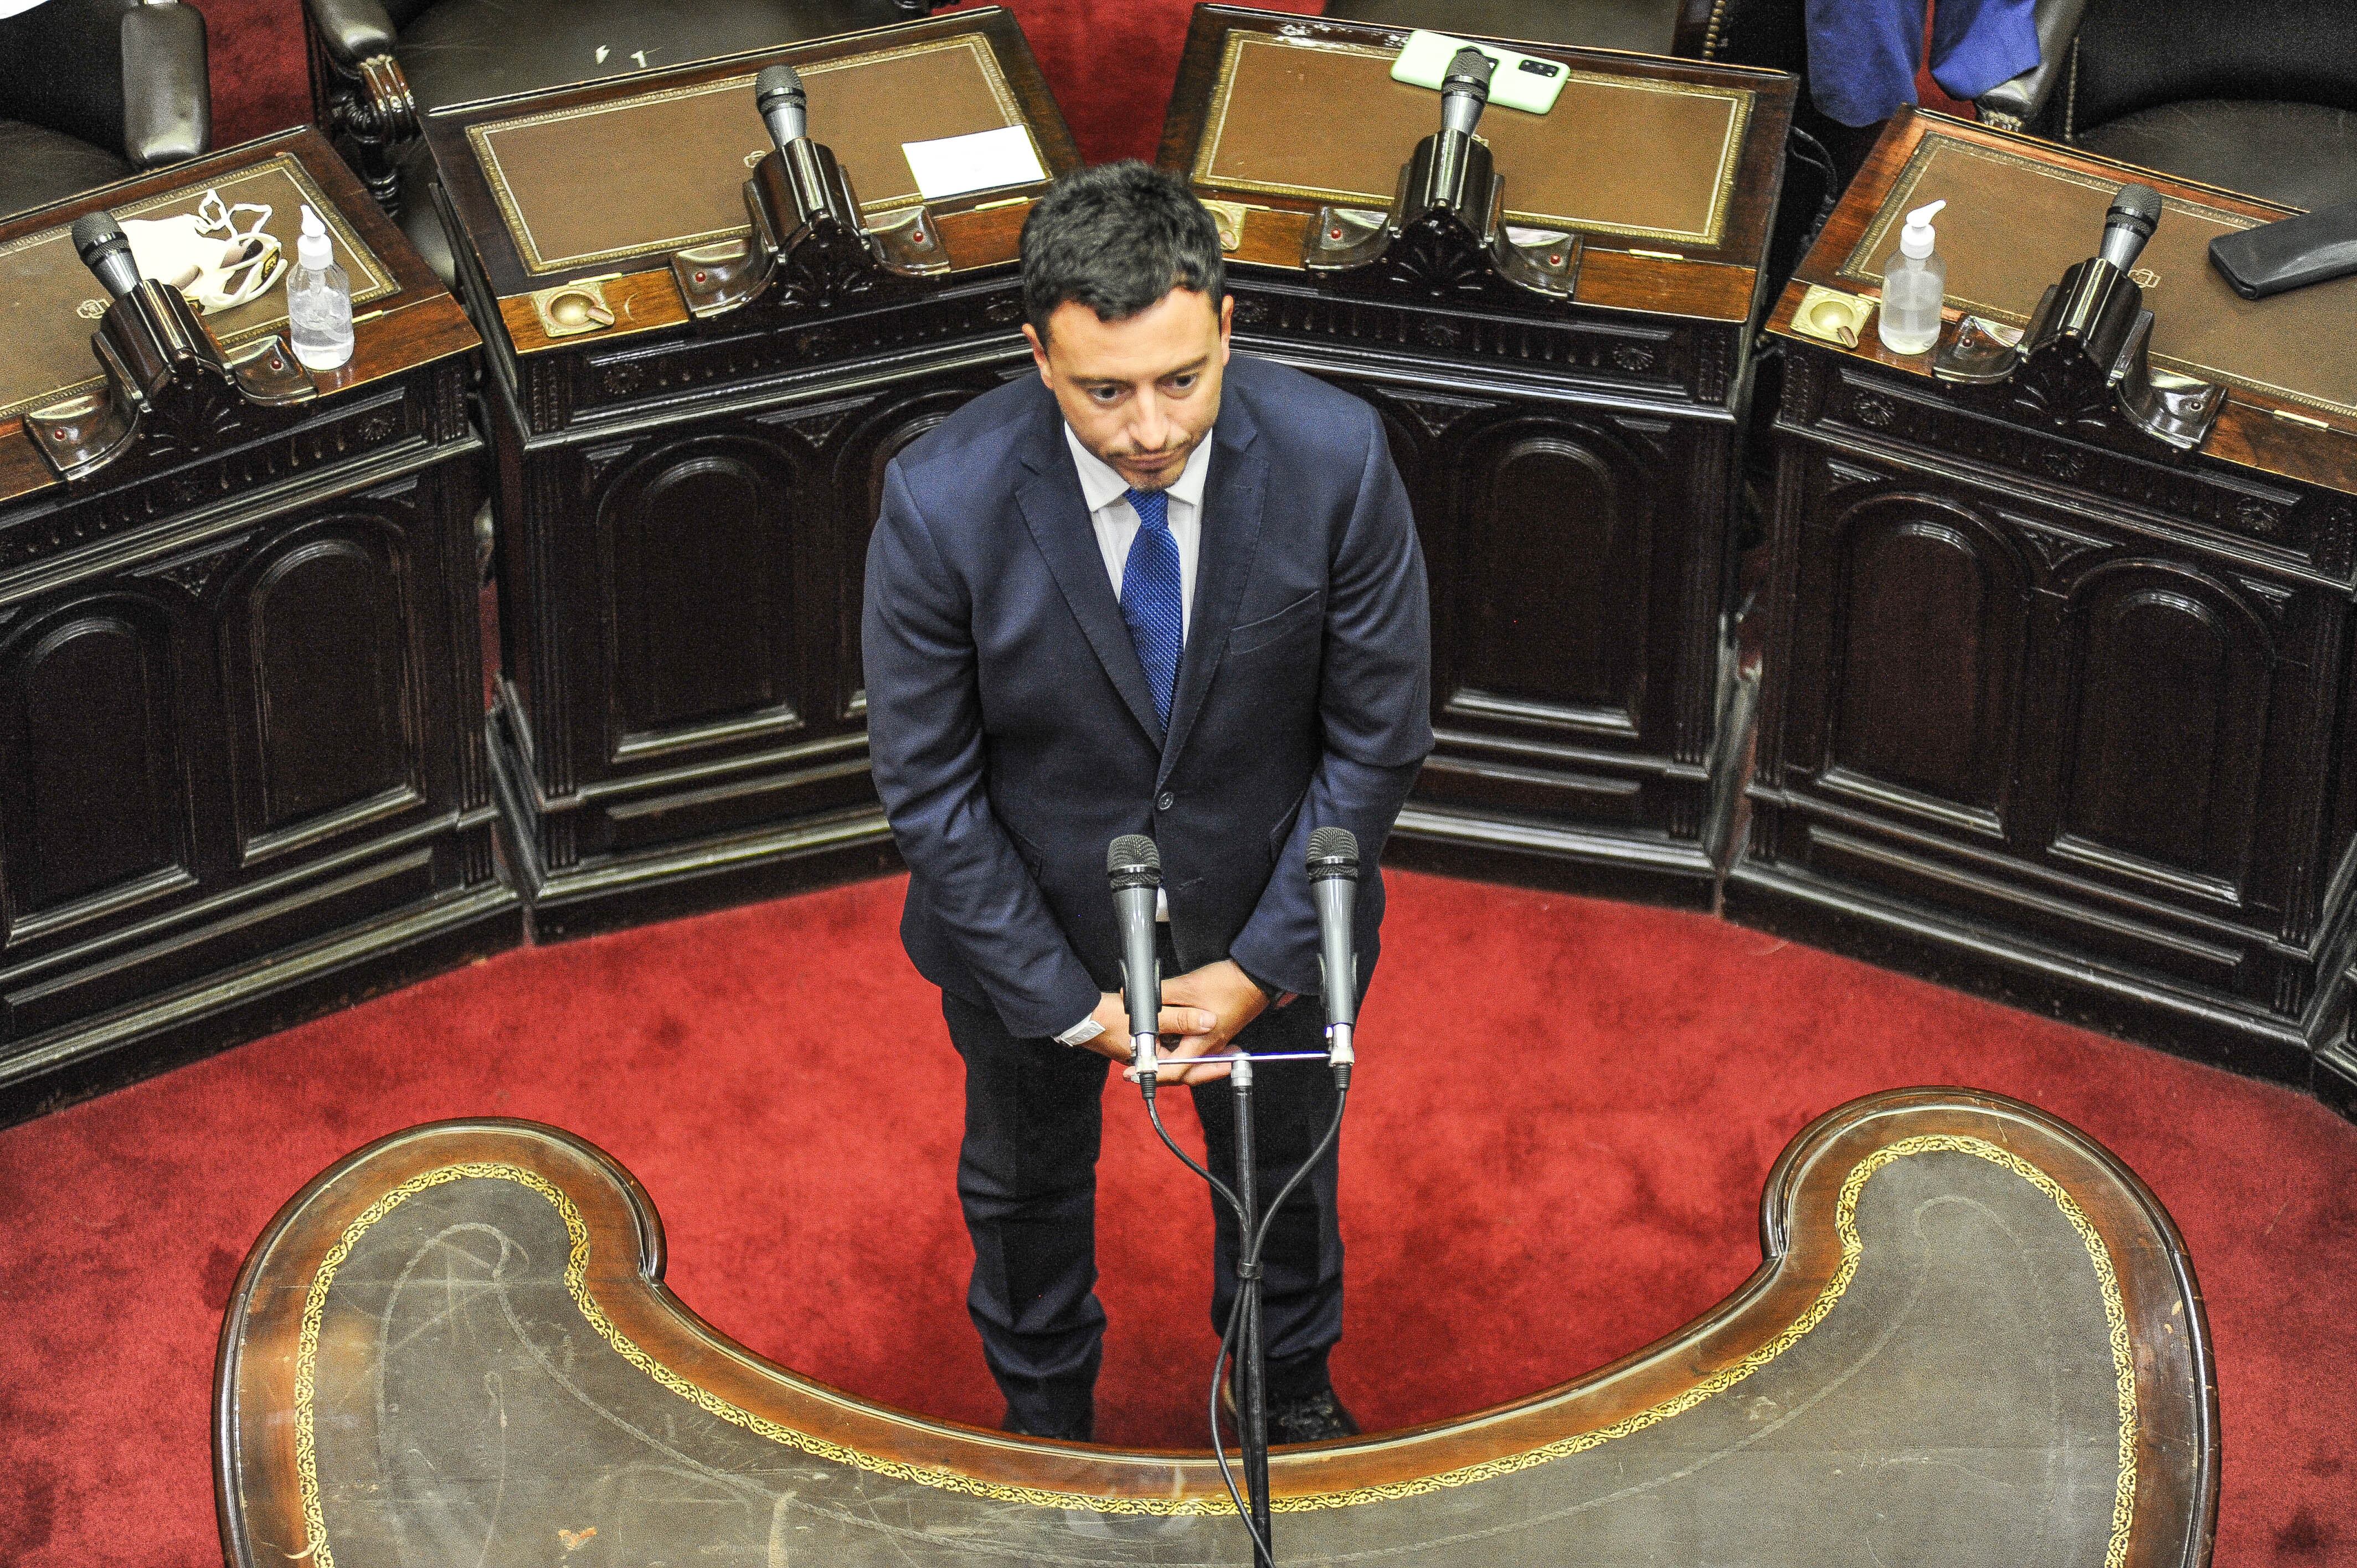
[1277,994]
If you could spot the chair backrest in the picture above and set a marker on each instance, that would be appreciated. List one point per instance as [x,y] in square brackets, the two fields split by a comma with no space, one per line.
[404,12]
[1771,33]
[2138,54]
[61,65]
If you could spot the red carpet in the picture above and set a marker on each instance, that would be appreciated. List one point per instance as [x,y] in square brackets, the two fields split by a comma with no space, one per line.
[1566,1112]
[778,1079]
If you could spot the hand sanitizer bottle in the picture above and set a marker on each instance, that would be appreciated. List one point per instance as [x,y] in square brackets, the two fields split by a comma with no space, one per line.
[319,300]
[1914,285]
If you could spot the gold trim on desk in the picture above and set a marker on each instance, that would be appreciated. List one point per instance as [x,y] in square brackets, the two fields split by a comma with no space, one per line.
[1862,265]
[319,1551]
[487,154]
[1739,100]
[257,317]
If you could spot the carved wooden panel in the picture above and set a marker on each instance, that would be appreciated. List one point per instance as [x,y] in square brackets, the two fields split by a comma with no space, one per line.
[884,432]
[92,787]
[701,593]
[2166,677]
[319,681]
[1926,624]
[1549,579]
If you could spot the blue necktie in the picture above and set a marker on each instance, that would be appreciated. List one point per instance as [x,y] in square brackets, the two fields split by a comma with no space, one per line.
[1151,603]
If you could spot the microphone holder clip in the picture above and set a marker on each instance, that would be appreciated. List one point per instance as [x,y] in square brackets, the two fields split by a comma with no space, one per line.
[1445,238]
[169,378]
[2082,365]
[808,247]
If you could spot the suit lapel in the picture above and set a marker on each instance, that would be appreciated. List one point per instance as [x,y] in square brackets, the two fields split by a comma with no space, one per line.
[1058,515]
[1233,500]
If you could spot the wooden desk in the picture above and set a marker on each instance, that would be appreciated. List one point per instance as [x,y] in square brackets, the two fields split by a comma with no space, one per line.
[1961,1301]
[243,774]
[683,505]
[1573,465]
[2048,712]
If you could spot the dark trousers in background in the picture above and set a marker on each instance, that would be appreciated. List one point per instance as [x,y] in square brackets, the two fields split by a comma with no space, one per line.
[1027,1180]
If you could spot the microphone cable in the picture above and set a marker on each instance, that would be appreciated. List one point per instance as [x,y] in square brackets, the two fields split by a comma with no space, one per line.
[1248,1267]
[1248,1251]
[1333,858]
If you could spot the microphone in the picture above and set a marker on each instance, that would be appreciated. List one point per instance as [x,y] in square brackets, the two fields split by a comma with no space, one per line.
[99,240]
[1334,884]
[2134,215]
[1464,88]
[778,95]
[1134,866]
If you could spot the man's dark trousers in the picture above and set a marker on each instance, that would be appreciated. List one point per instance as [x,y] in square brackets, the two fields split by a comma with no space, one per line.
[1027,1180]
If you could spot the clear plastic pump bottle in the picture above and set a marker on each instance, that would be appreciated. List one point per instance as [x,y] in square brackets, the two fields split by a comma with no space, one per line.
[1914,285]
[319,300]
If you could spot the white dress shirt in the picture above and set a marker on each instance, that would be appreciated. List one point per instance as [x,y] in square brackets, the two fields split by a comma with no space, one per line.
[1116,524]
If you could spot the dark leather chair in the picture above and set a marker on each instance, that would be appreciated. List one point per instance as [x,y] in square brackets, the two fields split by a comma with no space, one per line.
[378,65]
[2255,95]
[93,91]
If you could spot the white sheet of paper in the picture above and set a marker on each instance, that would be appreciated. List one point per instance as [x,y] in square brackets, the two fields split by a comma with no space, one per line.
[952,165]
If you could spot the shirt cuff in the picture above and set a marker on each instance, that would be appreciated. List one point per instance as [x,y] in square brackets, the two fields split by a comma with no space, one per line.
[1082,1033]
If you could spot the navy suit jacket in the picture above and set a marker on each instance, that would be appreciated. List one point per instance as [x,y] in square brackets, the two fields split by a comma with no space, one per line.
[1014,735]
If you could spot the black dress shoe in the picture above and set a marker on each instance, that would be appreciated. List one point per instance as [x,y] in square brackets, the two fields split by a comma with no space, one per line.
[1082,1430]
[1313,1417]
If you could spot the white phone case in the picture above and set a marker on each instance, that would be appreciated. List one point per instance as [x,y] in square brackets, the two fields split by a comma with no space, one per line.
[1523,81]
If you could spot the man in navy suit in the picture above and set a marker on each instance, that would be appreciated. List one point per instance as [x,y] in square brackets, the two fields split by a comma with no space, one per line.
[1153,591]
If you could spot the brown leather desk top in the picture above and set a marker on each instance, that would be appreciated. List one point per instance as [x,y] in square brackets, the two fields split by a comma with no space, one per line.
[2021,211]
[610,177]
[49,303]
[2013,224]
[1618,154]
[685,151]
[1669,167]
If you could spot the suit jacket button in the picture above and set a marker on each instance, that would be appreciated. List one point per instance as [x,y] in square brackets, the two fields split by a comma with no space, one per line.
[1164,801]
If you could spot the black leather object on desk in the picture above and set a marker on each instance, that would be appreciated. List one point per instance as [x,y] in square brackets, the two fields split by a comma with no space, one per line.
[91,90]
[458,51]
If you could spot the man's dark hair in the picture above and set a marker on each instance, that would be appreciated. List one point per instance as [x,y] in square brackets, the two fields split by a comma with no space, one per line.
[1116,238]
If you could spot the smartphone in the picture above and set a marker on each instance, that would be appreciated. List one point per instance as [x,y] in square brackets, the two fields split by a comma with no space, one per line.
[1522,81]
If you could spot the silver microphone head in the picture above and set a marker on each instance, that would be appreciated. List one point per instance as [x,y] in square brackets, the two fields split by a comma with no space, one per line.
[2134,214]
[99,240]
[1333,852]
[1131,861]
[785,107]
[1464,88]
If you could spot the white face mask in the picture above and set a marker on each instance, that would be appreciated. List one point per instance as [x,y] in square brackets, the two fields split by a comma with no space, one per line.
[208,254]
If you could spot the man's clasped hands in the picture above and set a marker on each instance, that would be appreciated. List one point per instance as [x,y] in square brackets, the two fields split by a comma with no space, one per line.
[1202,1012]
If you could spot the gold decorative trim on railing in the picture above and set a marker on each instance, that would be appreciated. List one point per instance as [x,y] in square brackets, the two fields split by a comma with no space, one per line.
[318,1548]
